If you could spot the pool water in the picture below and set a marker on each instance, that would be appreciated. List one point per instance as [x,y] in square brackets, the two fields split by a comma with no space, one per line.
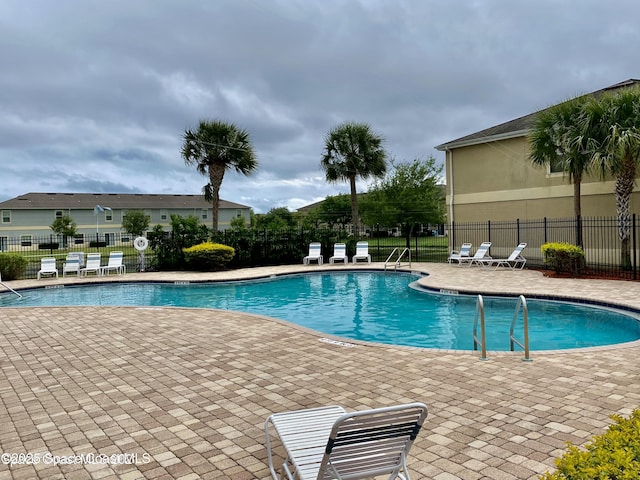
[370,306]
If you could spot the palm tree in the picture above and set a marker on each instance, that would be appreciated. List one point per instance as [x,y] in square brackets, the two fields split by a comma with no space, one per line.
[213,148]
[613,120]
[352,150]
[557,139]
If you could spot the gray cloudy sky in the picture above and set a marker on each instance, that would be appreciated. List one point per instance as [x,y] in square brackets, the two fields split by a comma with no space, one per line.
[95,95]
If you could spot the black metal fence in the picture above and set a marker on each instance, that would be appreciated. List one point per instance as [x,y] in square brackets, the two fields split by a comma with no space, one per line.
[599,238]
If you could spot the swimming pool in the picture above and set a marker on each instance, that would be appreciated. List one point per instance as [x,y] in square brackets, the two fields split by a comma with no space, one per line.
[364,305]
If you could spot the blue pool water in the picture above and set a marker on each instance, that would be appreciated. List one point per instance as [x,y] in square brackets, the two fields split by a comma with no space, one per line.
[371,306]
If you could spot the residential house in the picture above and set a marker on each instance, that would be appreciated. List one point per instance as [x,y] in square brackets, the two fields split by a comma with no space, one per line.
[28,217]
[489,177]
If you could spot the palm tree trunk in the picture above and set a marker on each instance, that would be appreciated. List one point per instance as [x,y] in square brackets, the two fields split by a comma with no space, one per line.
[216,174]
[624,187]
[355,218]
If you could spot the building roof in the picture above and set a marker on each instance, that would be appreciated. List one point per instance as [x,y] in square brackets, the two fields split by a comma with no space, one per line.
[518,127]
[81,201]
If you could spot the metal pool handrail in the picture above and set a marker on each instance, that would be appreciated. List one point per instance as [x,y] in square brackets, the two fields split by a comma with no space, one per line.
[8,287]
[483,338]
[397,262]
[521,305]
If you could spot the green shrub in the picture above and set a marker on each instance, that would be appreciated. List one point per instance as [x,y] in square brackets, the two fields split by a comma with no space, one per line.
[208,256]
[12,266]
[613,455]
[563,257]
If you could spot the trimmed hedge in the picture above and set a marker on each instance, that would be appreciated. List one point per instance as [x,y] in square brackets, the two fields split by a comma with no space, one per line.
[12,266]
[613,455]
[208,256]
[563,257]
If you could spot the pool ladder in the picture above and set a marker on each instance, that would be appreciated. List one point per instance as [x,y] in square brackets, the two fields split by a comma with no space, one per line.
[482,340]
[397,263]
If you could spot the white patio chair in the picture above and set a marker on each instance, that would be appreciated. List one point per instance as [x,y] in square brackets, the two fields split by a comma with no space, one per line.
[47,267]
[513,260]
[339,253]
[328,443]
[314,254]
[92,265]
[461,255]
[362,252]
[480,257]
[71,265]
[115,264]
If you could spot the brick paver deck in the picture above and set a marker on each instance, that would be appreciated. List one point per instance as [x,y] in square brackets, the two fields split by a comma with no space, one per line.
[187,391]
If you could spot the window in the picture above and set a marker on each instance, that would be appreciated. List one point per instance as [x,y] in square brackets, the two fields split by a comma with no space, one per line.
[25,240]
[556,166]
[59,213]
[238,213]
[6,216]
[108,215]
[163,215]
[204,213]
[4,244]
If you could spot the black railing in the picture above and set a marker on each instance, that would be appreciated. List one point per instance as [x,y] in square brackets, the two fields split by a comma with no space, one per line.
[604,251]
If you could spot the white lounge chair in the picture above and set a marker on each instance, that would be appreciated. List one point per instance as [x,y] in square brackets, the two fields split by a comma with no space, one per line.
[328,443]
[47,267]
[480,257]
[339,253]
[314,254]
[115,264]
[80,256]
[460,255]
[513,260]
[93,265]
[71,265]
[362,252]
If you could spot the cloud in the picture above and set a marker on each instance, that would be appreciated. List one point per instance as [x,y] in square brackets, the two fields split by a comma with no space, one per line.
[95,96]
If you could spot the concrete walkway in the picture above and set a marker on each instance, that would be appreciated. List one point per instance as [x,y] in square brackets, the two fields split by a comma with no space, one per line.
[183,394]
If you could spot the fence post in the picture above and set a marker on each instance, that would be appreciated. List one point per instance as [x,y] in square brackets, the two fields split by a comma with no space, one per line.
[517,231]
[545,229]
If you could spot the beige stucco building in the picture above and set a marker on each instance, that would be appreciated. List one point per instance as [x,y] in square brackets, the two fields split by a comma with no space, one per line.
[489,177]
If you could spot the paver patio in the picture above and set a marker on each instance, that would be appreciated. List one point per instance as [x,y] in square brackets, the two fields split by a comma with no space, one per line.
[187,390]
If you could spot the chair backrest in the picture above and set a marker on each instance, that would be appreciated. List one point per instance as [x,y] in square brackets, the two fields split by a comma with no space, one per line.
[339,250]
[465,250]
[314,249]
[80,256]
[48,264]
[115,259]
[93,261]
[482,250]
[71,263]
[516,253]
[362,248]
[372,442]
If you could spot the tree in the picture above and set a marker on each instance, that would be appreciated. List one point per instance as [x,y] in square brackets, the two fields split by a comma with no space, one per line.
[613,124]
[352,151]
[278,218]
[214,148]
[408,196]
[136,222]
[335,210]
[64,226]
[557,138]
